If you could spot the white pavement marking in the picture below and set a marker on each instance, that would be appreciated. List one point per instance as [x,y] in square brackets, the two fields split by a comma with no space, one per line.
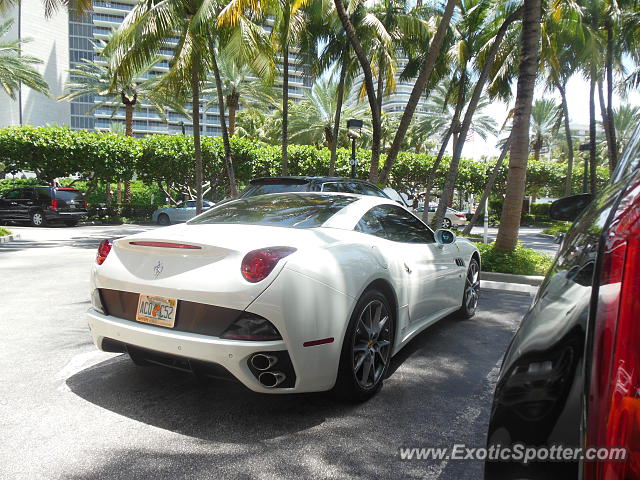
[81,362]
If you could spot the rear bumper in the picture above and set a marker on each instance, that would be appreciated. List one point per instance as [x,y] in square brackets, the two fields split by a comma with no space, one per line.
[233,355]
[53,215]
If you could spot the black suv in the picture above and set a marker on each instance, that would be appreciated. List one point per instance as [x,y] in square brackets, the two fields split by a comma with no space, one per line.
[41,205]
[571,376]
[262,186]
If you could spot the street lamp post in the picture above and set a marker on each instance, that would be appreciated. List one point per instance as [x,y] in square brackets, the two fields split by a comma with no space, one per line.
[354,128]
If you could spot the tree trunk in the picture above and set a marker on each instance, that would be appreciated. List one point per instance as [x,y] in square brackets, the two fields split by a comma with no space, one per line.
[605,121]
[432,174]
[380,92]
[471,108]
[368,81]
[567,132]
[285,108]
[418,88]
[592,131]
[228,159]
[537,147]
[517,175]
[336,121]
[613,155]
[195,99]
[128,131]
[488,187]
[233,102]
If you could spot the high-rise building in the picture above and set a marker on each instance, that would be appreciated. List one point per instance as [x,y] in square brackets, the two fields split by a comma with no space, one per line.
[396,101]
[66,39]
[47,40]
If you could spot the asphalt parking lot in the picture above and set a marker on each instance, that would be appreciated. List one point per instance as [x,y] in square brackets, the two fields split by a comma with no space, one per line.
[69,411]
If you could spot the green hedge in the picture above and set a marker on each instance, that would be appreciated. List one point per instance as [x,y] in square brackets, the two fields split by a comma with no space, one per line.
[53,152]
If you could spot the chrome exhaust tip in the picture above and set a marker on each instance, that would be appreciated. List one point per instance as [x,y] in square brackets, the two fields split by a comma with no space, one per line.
[262,361]
[271,379]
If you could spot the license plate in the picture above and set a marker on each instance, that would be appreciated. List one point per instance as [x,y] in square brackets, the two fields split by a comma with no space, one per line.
[72,205]
[157,310]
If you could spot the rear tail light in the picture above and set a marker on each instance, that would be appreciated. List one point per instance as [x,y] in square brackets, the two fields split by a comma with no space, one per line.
[252,327]
[258,264]
[86,204]
[460,215]
[614,400]
[103,250]
[54,204]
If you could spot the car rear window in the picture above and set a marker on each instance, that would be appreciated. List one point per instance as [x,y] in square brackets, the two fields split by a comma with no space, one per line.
[68,195]
[267,188]
[278,210]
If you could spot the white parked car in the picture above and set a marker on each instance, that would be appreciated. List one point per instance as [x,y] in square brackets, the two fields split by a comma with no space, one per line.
[288,292]
[180,213]
[452,218]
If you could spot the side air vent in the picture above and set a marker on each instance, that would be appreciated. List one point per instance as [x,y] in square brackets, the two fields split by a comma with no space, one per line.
[460,262]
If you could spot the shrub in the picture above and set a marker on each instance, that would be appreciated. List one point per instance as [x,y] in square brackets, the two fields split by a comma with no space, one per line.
[527,219]
[541,209]
[4,231]
[522,261]
[560,227]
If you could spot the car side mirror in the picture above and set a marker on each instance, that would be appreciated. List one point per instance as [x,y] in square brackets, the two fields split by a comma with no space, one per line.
[444,236]
[568,208]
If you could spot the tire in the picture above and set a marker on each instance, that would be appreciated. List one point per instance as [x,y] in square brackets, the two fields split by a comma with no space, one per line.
[367,348]
[71,223]
[163,219]
[446,223]
[38,219]
[471,291]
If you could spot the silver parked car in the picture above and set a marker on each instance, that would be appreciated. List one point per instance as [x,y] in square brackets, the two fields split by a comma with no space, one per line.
[452,218]
[180,213]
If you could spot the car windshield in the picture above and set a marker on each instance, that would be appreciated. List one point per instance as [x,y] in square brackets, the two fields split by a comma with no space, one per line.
[271,187]
[278,210]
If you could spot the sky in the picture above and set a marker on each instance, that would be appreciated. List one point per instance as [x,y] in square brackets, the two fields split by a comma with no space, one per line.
[578,103]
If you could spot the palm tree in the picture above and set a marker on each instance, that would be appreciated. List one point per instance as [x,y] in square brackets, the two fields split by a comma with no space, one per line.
[626,119]
[312,120]
[146,30]
[98,78]
[423,78]
[288,22]
[335,56]
[546,116]
[17,69]
[504,19]
[563,44]
[240,88]
[516,177]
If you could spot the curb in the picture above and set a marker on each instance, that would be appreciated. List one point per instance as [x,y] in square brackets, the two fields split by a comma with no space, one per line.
[532,280]
[513,288]
[9,238]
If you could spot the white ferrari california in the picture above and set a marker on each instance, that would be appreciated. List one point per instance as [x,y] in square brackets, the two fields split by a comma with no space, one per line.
[288,292]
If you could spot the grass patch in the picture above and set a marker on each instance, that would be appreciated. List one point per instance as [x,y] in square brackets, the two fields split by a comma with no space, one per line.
[522,261]
[4,231]
[562,227]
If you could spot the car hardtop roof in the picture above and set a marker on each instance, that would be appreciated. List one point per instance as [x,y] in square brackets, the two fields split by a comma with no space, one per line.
[306,178]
